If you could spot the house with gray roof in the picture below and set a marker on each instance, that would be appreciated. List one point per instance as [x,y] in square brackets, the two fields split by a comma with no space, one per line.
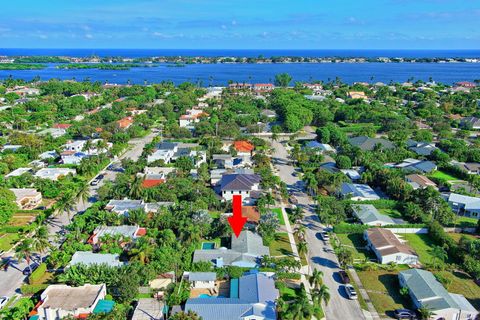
[202,280]
[255,299]
[426,291]
[470,122]
[464,205]
[468,167]
[369,215]
[368,144]
[421,148]
[358,192]
[415,165]
[89,259]
[246,251]
[239,184]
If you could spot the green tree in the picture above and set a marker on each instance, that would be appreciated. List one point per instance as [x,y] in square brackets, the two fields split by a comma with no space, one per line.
[190,315]
[7,205]
[282,80]
[316,279]
[438,255]
[24,252]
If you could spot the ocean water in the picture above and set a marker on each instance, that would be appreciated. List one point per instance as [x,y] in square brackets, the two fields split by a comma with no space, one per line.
[220,74]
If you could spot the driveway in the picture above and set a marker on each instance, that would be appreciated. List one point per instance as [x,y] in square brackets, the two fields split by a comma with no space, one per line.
[321,254]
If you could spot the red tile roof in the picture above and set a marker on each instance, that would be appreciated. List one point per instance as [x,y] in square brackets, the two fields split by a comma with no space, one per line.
[251,213]
[141,232]
[62,125]
[243,146]
[152,183]
[125,122]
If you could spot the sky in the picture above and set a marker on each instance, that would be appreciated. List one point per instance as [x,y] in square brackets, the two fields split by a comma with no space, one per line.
[247,24]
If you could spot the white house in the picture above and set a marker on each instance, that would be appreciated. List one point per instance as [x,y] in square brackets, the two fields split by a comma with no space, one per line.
[426,291]
[192,116]
[27,198]
[358,192]
[388,248]
[164,155]
[202,280]
[54,173]
[239,184]
[464,205]
[59,301]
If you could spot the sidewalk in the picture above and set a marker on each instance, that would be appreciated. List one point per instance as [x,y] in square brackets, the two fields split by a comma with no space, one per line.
[373,313]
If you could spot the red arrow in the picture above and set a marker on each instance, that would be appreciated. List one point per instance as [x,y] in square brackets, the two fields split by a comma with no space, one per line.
[237,221]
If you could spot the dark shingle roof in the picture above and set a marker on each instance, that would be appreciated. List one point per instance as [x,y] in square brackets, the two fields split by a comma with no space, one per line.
[241,182]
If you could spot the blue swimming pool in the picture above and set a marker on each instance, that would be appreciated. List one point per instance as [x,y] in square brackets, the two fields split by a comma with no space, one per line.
[204,295]
[208,245]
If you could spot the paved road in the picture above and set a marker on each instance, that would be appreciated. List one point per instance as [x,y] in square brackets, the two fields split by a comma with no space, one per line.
[12,279]
[321,254]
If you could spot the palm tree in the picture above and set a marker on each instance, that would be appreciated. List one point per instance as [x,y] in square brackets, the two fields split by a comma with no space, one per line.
[40,241]
[321,293]
[425,313]
[316,278]
[136,188]
[302,248]
[438,254]
[65,205]
[83,193]
[24,252]
[300,232]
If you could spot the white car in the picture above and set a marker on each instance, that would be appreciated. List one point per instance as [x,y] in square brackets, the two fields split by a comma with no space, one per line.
[3,301]
[351,293]
[325,236]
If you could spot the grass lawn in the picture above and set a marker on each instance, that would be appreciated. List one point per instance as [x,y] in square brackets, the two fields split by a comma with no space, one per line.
[354,242]
[458,236]
[463,284]
[279,213]
[214,214]
[392,213]
[21,219]
[281,245]
[144,296]
[443,176]
[383,289]
[422,244]
[288,293]
[466,222]
[8,240]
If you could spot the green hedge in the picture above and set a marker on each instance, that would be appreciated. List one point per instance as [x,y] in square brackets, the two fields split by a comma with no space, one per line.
[21,229]
[288,275]
[38,273]
[348,228]
[29,289]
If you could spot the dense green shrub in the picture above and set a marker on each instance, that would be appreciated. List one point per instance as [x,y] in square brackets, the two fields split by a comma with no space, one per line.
[348,228]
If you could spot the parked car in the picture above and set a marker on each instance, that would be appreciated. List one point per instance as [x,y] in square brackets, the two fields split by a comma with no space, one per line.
[293,199]
[351,293]
[325,236]
[27,270]
[405,314]
[344,276]
[97,180]
[3,301]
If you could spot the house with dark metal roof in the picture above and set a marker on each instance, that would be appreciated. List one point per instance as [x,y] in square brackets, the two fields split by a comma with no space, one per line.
[254,298]
[246,251]
[368,144]
[427,292]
